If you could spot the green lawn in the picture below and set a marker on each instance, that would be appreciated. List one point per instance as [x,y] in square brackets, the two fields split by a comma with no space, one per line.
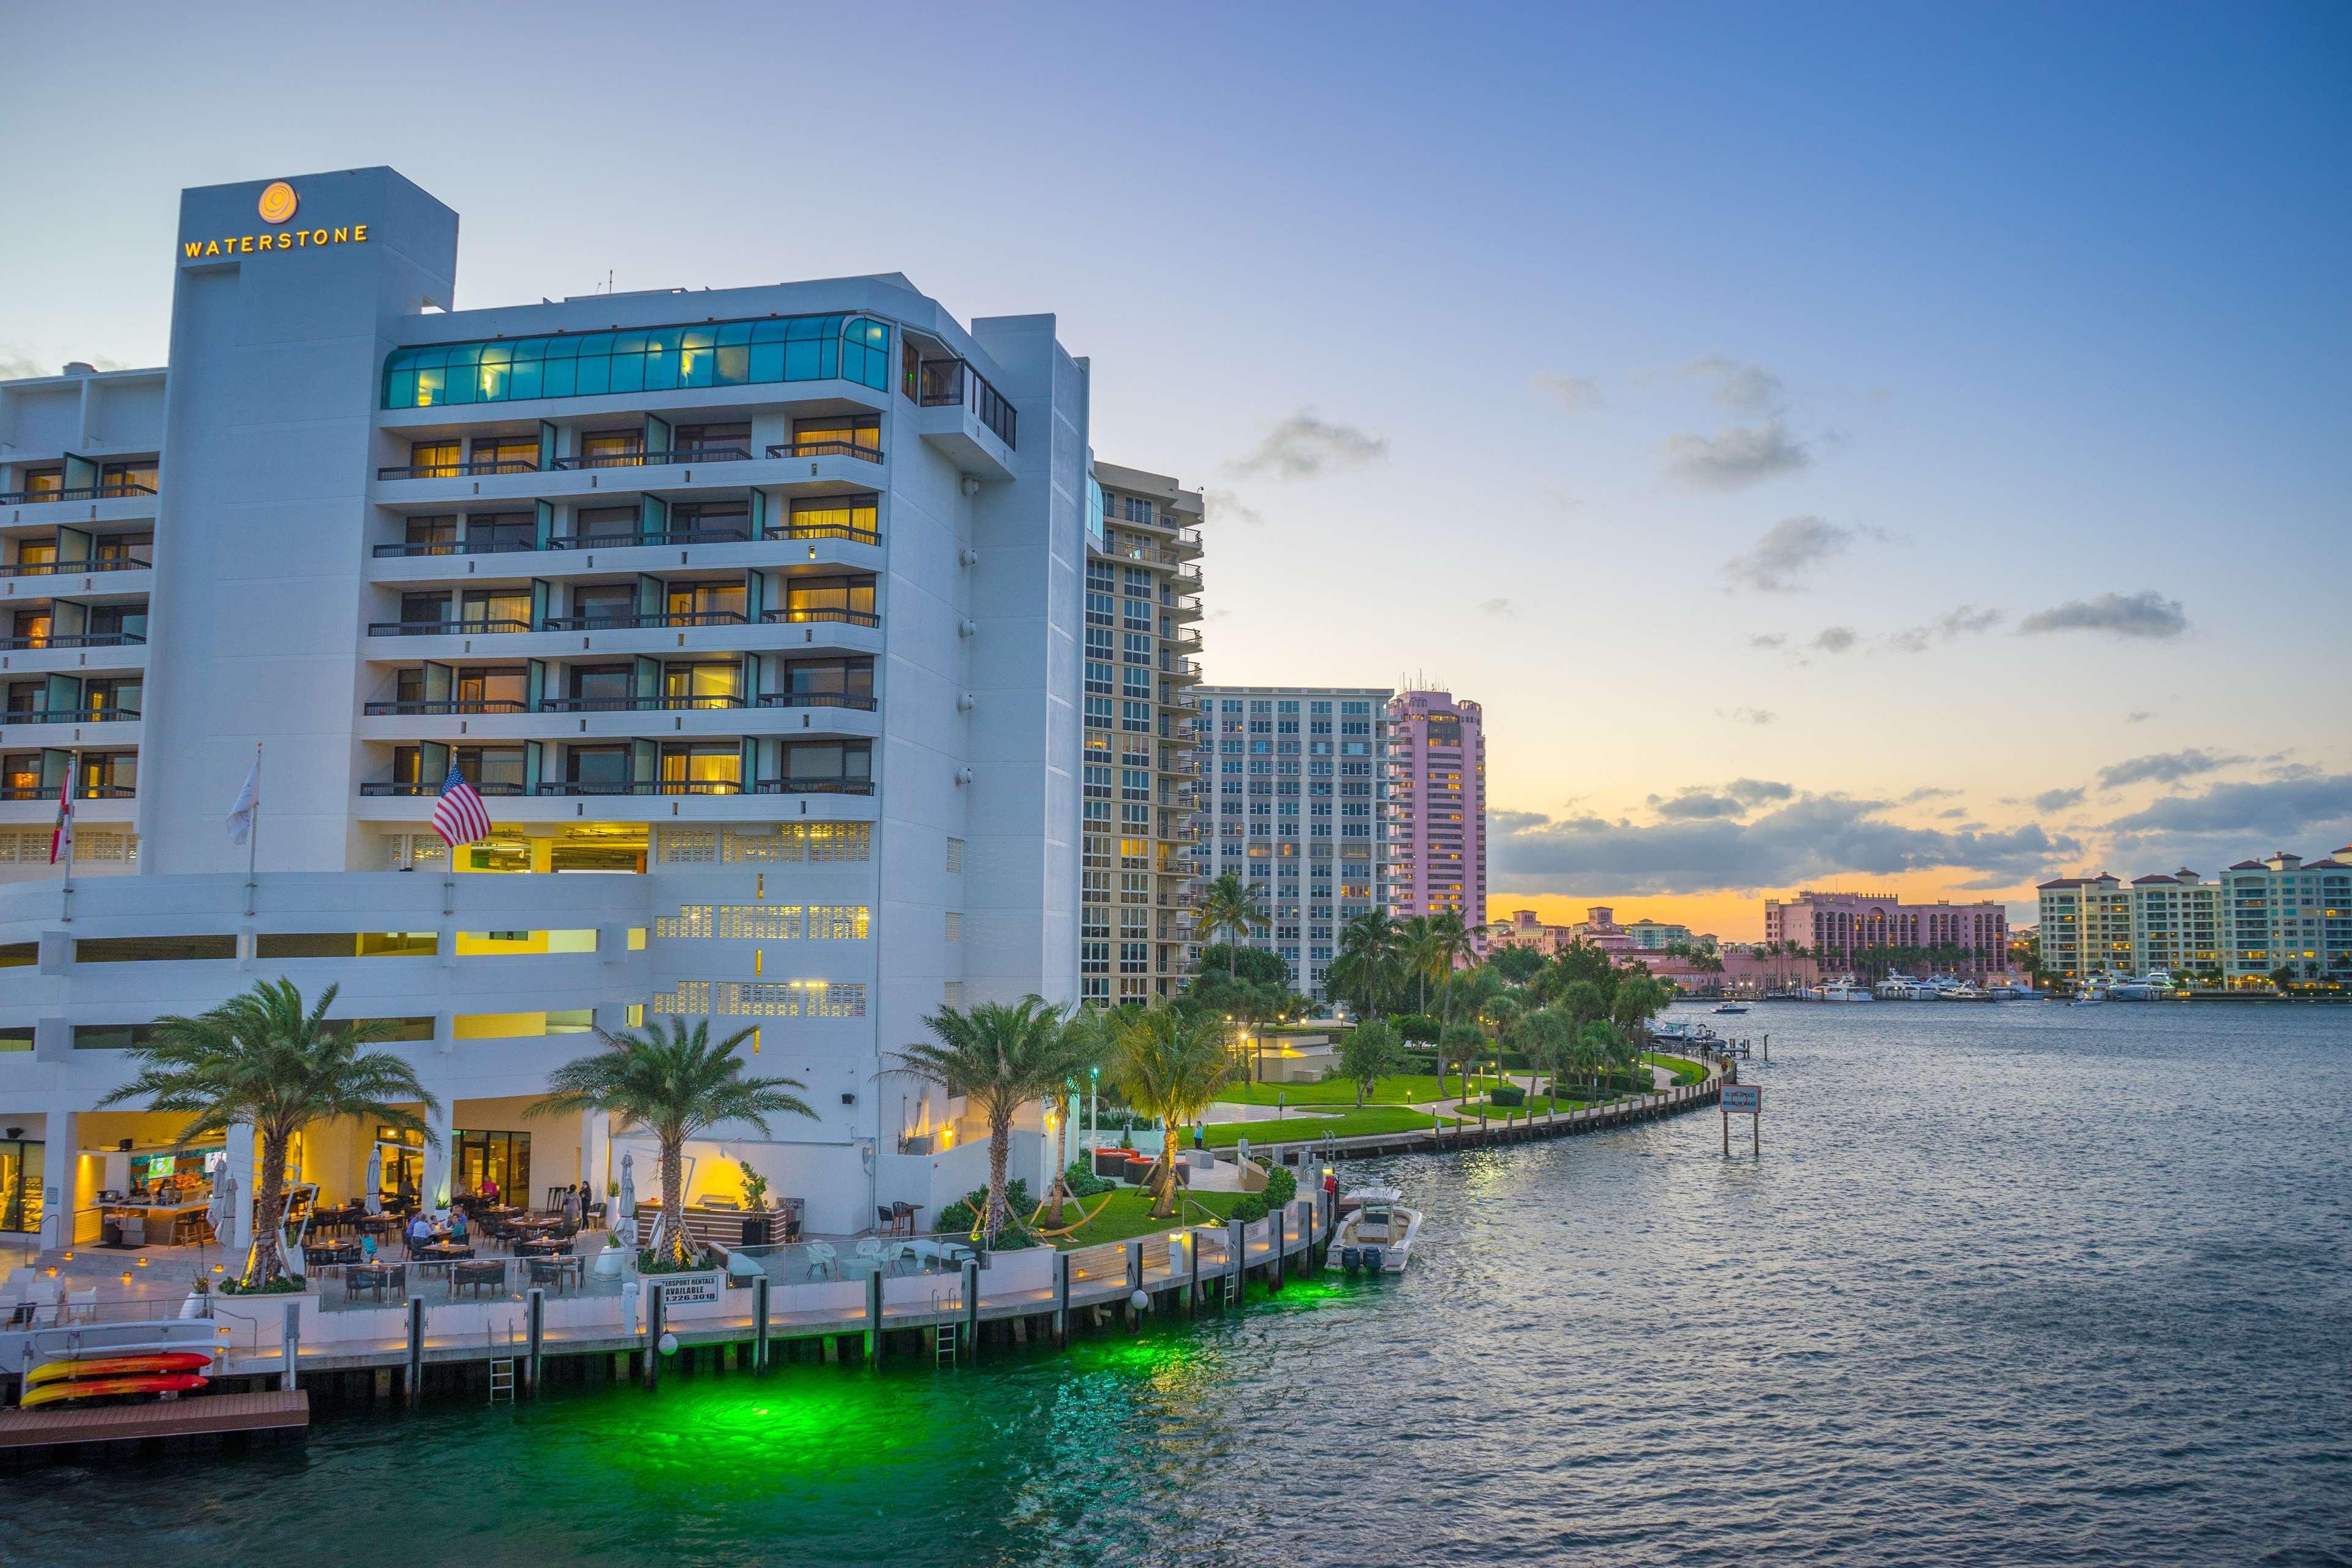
[1406,1088]
[1541,1105]
[1349,1123]
[1129,1215]
[1683,1068]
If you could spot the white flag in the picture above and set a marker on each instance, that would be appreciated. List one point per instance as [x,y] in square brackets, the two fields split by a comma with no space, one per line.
[248,801]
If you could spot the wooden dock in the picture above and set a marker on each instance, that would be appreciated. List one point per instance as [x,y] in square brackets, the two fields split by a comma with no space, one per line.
[30,1436]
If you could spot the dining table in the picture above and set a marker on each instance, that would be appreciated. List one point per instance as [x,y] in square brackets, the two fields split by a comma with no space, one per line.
[375,1278]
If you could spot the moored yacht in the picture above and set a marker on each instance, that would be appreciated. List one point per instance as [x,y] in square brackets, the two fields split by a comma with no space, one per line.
[2143,988]
[1378,1236]
[1844,990]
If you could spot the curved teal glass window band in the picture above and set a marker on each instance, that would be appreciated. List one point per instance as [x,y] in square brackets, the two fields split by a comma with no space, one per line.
[645,358]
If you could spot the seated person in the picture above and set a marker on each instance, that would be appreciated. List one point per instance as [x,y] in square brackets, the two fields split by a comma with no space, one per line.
[458,1227]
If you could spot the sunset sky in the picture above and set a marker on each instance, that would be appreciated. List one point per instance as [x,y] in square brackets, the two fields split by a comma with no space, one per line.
[1847,447]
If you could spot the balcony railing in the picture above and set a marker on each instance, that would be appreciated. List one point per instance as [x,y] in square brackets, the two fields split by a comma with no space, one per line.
[457,547]
[378,788]
[655,621]
[816,699]
[824,531]
[445,628]
[72,568]
[460,470]
[453,705]
[660,536]
[801,785]
[656,459]
[946,382]
[75,639]
[70,716]
[118,490]
[800,618]
[636,704]
[640,786]
[825,449]
[80,792]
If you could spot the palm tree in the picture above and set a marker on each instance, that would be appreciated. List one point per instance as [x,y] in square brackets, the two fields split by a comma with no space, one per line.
[1452,944]
[1638,1000]
[675,1086]
[1370,949]
[1549,1037]
[262,1060]
[1228,906]
[1000,1059]
[1168,1063]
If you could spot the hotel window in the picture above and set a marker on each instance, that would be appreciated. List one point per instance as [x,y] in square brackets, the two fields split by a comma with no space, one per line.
[714,442]
[849,679]
[859,432]
[604,525]
[41,484]
[703,685]
[808,765]
[430,535]
[702,769]
[613,448]
[434,459]
[127,479]
[505,454]
[835,517]
[590,364]
[829,599]
[709,521]
[707,604]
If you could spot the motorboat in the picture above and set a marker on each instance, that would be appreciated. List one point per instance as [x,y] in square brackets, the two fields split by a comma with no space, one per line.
[1902,988]
[2091,993]
[1731,1007]
[1959,991]
[1378,1236]
[1844,990]
[2144,987]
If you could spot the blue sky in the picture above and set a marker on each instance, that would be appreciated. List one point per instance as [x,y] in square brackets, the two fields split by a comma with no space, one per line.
[1561,354]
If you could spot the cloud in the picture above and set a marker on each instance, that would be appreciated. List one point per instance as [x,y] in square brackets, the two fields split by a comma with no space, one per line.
[2139,716]
[2050,800]
[1928,791]
[1696,803]
[1809,838]
[1769,639]
[2144,614]
[1835,640]
[1742,387]
[1756,791]
[18,365]
[1576,394]
[2164,767]
[1733,457]
[1949,626]
[1225,506]
[1788,549]
[1500,609]
[2277,809]
[1748,715]
[1948,813]
[1302,447]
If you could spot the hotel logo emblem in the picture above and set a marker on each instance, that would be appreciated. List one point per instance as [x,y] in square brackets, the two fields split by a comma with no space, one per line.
[277,202]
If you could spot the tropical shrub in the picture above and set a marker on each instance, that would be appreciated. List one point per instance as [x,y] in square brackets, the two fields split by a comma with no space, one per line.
[1508,1094]
[1082,1182]
[960,1216]
[1281,1185]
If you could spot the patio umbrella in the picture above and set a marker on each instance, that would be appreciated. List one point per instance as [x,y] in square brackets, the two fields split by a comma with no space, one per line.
[625,1216]
[375,1180]
[221,1210]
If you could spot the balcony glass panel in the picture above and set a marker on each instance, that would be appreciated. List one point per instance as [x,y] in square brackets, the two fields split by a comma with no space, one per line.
[587,365]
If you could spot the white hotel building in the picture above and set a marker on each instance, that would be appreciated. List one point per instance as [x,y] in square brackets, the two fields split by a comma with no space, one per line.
[754,613]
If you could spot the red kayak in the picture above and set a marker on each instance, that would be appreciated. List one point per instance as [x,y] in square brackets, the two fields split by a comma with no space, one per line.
[96,1387]
[131,1365]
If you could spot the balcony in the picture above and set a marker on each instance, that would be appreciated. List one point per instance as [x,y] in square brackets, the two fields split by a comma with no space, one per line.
[952,383]
[74,639]
[80,792]
[72,716]
[72,568]
[658,620]
[1188,543]
[825,449]
[443,628]
[442,709]
[380,788]
[584,787]
[800,784]
[118,490]
[660,536]
[457,547]
[816,699]
[658,459]
[814,530]
[459,470]
[803,617]
[636,704]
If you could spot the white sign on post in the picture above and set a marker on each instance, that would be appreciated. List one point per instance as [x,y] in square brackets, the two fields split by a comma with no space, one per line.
[1747,1097]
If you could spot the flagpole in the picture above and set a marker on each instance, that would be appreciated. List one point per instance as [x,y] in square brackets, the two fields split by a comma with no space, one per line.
[73,766]
[252,830]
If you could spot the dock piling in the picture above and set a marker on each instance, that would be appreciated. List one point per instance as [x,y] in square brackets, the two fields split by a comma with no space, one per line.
[537,1311]
[415,1386]
[760,1325]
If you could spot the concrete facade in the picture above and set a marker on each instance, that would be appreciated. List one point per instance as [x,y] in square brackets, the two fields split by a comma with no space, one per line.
[754,614]
[1437,783]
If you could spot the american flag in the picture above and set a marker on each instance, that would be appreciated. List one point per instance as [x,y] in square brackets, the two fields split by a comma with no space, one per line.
[458,815]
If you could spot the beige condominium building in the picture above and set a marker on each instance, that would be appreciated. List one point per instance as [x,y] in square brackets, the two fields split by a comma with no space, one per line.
[2256,918]
[1141,862]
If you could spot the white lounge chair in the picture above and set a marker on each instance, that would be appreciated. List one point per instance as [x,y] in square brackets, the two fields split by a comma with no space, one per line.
[81,1305]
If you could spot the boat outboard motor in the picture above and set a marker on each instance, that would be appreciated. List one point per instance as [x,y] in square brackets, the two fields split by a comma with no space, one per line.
[1351,1258]
[1373,1258]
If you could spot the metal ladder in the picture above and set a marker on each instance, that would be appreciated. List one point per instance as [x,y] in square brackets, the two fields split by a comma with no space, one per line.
[943,1344]
[1233,1279]
[503,1380]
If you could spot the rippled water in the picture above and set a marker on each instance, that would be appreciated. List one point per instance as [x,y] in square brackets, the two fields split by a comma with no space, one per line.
[2009,1284]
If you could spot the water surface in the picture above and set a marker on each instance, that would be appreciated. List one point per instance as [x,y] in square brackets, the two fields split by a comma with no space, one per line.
[2016,1284]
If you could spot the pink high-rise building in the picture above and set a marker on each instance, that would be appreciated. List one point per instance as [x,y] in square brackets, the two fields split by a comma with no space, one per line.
[1437,790]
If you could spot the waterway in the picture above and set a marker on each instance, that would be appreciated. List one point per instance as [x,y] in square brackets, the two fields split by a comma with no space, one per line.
[2015,1284]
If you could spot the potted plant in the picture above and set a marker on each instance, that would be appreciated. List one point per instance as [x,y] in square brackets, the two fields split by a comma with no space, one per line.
[609,1261]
